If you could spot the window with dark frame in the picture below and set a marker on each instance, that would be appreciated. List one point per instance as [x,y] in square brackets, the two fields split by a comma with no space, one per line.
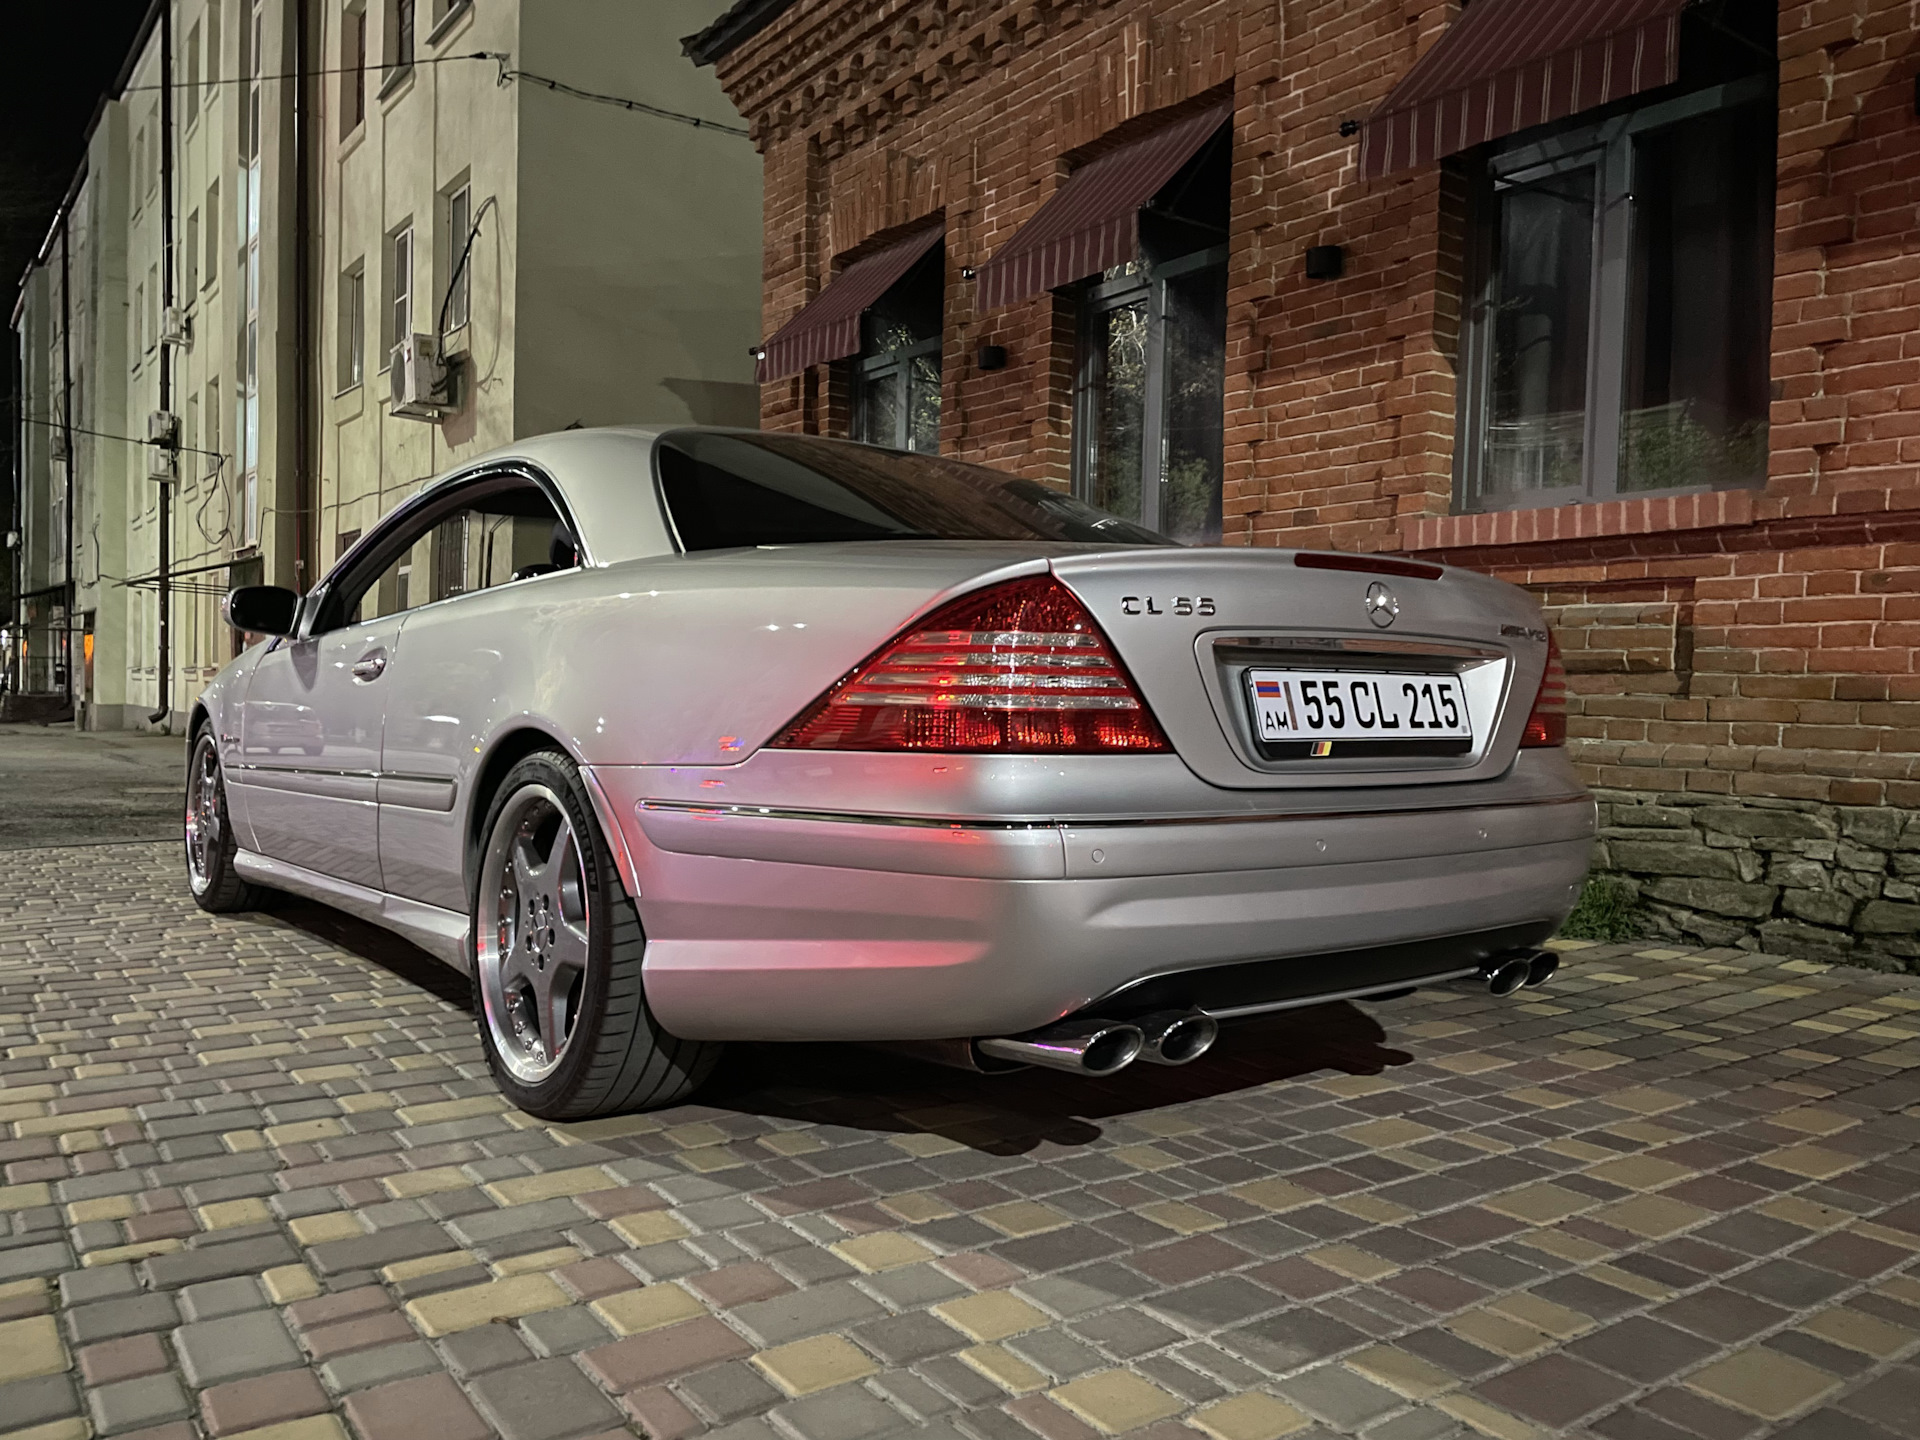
[353,68]
[459,214]
[353,325]
[1150,385]
[1617,336]
[896,377]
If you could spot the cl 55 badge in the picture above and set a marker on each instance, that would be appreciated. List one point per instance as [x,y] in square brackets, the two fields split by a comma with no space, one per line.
[1181,605]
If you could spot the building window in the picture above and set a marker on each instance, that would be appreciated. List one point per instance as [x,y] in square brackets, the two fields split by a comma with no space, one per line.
[353,68]
[399,52]
[139,167]
[190,258]
[1618,331]
[458,264]
[213,235]
[211,410]
[190,96]
[896,389]
[399,288]
[139,321]
[353,325]
[1150,393]
[213,47]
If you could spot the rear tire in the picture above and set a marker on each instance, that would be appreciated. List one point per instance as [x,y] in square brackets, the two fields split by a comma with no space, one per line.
[217,887]
[562,1006]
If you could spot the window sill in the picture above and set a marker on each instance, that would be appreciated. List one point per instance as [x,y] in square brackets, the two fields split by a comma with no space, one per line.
[1642,515]
[449,22]
[395,82]
[352,140]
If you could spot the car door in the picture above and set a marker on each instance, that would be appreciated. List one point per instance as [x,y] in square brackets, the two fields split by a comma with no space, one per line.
[310,732]
[468,656]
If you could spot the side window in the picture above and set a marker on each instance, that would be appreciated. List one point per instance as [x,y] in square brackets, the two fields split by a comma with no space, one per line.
[491,532]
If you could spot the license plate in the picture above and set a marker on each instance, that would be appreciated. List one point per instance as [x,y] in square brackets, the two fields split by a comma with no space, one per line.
[1319,707]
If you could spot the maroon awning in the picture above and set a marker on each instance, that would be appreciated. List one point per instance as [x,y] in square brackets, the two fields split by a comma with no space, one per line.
[828,326]
[1091,223]
[1507,64]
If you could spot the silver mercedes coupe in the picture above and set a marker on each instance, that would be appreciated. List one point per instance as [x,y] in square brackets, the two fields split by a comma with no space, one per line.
[673,737]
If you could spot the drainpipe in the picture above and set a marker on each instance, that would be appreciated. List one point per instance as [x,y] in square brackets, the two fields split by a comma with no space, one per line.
[164,713]
[305,511]
[66,426]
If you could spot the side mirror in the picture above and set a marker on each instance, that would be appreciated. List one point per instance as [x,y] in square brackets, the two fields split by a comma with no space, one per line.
[262,609]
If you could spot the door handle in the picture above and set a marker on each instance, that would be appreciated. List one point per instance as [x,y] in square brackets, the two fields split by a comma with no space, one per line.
[368,667]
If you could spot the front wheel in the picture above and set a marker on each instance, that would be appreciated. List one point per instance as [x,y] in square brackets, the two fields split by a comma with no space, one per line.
[557,950]
[216,886]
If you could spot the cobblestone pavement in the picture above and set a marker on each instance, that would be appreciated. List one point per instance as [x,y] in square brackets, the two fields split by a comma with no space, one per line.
[259,1185]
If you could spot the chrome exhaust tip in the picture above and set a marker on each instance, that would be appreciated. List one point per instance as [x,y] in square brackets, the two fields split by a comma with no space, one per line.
[1509,975]
[1085,1047]
[1177,1037]
[1542,968]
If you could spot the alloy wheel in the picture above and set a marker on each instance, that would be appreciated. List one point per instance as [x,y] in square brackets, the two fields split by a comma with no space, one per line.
[203,816]
[532,947]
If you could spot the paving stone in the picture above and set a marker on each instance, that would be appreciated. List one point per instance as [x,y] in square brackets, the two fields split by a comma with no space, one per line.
[379,1365]
[123,1359]
[263,1400]
[135,1404]
[214,1351]
[429,1407]
[562,1332]
[471,1352]
[44,1398]
[726,1392]
[805,1312]
[127,1315]
[844,1413]
[662,1354]
[547,1400]
[215,1298]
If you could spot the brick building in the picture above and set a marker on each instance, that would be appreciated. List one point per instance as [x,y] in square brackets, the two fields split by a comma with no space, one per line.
[1617,299]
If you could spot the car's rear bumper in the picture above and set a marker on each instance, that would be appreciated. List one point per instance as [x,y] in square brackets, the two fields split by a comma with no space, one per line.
[779,924]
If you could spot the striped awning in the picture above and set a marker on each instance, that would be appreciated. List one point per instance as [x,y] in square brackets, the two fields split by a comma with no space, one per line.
[1507,64]
[828,326]
[1092,222]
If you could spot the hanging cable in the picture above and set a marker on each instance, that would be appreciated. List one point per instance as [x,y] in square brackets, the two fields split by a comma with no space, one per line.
[508,75]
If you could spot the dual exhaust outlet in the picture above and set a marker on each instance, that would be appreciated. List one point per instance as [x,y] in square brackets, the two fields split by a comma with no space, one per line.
[1505,974]
[1088,1046]
[1100,1047]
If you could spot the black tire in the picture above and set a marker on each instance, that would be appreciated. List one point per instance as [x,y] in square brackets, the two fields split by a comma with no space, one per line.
[216,886]
[614,1056]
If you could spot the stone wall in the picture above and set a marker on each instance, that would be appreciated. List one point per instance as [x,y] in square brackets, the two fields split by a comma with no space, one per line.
[1835,883]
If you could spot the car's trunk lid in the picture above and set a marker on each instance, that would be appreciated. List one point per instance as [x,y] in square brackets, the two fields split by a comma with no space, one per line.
[1205,632]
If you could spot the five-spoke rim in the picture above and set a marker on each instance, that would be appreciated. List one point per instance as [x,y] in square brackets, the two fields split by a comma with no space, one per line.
[203,815]
[531,949]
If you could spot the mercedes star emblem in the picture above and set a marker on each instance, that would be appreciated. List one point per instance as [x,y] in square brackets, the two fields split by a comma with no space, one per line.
[1382,605]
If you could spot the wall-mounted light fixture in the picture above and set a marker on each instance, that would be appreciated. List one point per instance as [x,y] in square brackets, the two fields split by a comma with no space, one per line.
[991,357]
[966,272]
[1325,262]
[1349,129]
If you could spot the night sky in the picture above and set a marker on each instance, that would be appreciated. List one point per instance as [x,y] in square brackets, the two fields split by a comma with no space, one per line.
[59,58]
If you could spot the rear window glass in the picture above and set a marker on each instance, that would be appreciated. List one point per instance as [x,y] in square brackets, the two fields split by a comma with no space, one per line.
[726,491]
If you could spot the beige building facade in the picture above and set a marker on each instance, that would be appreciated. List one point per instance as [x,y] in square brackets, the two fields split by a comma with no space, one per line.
[277,194]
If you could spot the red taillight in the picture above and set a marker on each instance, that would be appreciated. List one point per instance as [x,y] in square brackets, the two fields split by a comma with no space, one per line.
[1547,722]
[1020,667]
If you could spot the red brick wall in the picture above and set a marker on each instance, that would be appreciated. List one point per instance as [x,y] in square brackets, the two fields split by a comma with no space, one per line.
[1786,619]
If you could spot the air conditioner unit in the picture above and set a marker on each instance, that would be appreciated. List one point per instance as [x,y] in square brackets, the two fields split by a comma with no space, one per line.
[163,428]
[417,379]
[57,445]
[175,328]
